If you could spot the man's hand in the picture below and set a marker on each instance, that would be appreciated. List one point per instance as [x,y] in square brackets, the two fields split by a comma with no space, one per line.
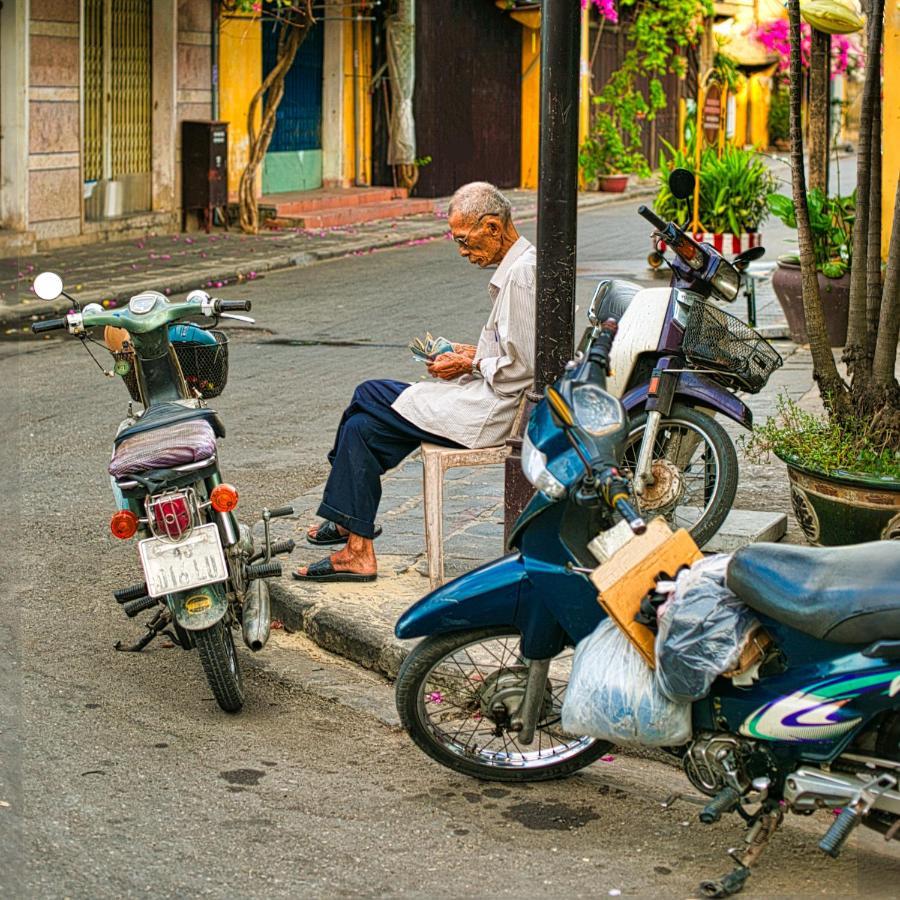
[450,365]
[465,350]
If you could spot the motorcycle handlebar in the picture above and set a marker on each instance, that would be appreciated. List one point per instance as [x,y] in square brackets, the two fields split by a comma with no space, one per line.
[48,325]
[631,516]
[658,223]
[233,305]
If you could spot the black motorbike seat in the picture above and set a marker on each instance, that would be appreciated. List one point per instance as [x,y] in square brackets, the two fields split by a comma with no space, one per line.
[617,295]
[850,595]
[162,414]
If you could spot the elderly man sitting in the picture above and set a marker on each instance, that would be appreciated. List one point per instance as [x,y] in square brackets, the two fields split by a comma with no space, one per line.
[472,404]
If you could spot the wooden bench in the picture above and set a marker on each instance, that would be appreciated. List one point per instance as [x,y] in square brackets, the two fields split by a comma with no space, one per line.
[436,460]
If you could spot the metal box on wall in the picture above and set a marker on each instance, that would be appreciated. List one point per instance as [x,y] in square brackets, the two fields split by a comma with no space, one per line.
[204,169]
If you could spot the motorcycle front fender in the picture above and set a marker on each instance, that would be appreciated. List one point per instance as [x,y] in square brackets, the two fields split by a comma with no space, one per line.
[702,391]
[199,608]
[485,597]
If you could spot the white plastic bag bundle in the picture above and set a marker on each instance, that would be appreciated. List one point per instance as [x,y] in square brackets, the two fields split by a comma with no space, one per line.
[701,631]
[612,695]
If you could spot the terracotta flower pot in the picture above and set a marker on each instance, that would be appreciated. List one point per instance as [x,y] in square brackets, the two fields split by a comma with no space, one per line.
[787,283]
[613,184]
[843,509]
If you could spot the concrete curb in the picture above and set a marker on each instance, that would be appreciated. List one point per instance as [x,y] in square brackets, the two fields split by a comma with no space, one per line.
[24,313]
[338,633]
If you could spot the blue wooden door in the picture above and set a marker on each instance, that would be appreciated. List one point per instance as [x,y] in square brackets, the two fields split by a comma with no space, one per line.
[294,158]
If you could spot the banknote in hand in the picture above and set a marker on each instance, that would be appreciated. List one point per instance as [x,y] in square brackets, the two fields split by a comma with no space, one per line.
[430,348]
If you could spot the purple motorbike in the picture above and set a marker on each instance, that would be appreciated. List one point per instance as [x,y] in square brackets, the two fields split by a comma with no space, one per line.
[680,360]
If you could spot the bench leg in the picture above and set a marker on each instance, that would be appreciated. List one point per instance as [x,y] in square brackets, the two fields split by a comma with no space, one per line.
[433,494]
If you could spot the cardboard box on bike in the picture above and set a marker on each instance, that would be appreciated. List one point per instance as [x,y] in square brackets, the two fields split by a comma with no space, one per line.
[631,572]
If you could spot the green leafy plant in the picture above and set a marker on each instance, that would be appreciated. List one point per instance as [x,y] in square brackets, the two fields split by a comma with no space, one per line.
[606,153]
[831,220]
[854,447]
[659,35]
[733,189]
[725,70]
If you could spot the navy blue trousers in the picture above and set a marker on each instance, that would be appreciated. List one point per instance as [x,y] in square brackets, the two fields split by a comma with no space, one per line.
[371,439]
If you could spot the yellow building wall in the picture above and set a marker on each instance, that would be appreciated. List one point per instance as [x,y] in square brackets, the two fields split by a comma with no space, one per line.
[531,106]
[359,83]
[891,140]
[760,96]
[240,75]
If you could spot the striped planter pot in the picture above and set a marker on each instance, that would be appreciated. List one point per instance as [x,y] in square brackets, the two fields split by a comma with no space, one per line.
[731,244]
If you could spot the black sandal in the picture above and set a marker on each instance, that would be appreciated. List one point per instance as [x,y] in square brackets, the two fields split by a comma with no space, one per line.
[323,570]
[329,534]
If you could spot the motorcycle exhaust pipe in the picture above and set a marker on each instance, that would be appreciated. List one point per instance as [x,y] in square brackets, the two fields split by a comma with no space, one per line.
[257,619]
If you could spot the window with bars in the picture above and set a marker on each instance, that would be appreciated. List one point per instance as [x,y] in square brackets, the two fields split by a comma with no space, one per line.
[117,107]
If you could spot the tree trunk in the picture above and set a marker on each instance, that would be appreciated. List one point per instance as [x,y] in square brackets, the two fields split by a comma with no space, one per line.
[825,372]
[856,351]
[819,81]
[873,256]
[889,320]
[295,22]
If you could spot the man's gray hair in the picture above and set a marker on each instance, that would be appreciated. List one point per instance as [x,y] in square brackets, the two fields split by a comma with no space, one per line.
[478,199]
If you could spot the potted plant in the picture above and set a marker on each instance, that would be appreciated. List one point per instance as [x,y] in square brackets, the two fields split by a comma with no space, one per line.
[844,464]
[831,221]
[604,159]
[733,191]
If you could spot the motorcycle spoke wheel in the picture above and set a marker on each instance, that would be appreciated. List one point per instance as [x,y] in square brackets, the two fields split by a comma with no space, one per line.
[696,468]
[456,694]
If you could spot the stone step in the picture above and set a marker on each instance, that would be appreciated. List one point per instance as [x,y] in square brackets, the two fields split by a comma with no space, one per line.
[301,202]
[747,526]
[353,215]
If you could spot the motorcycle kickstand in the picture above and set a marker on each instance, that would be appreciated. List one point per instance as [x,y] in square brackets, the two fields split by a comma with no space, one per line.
[155,627]
[764,825]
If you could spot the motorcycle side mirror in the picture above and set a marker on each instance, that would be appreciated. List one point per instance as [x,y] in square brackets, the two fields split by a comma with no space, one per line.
[48,285]
[681,183]
[742,260]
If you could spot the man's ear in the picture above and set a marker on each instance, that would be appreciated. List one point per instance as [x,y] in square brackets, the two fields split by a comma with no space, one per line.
[493,225]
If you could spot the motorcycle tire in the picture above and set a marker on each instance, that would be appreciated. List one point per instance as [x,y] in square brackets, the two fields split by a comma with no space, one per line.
[221,665]
[719,504]
[471,759]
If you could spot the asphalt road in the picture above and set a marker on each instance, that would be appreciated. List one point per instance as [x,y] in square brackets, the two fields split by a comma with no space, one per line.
[118,774]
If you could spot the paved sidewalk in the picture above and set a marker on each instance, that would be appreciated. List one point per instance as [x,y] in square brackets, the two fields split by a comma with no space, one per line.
[357,620]
[172,263]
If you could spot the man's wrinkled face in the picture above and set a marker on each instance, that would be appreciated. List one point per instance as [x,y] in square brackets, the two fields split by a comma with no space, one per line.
[478,239]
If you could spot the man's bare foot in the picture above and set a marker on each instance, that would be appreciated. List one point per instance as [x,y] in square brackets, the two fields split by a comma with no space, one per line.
[357,556]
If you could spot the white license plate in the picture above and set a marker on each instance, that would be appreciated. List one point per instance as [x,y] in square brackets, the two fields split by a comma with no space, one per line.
[172,567]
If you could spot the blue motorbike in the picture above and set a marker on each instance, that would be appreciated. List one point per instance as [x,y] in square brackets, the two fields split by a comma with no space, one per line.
[820,728]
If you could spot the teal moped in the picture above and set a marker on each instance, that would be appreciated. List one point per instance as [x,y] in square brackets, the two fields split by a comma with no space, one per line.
[203,574]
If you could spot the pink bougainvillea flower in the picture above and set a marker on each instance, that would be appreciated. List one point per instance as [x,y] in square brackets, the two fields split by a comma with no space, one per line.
[435,697]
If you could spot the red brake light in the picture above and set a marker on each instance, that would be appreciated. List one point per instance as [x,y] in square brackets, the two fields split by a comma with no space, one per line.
[124,524]
[224,498]
[171,516]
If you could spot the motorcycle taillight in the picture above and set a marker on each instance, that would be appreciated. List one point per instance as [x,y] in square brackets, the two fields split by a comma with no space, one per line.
[171,516]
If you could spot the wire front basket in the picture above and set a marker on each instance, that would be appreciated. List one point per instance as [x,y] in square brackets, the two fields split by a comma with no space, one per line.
[205,366]
[713,339]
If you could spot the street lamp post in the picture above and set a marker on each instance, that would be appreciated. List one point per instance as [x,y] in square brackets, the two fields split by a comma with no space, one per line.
[557,217]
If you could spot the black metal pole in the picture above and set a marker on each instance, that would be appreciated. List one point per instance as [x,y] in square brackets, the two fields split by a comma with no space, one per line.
[557,220]
[557,189]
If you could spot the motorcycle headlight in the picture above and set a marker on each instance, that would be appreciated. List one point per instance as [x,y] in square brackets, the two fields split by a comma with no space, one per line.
[596,411]
[727,281]
[534,465]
